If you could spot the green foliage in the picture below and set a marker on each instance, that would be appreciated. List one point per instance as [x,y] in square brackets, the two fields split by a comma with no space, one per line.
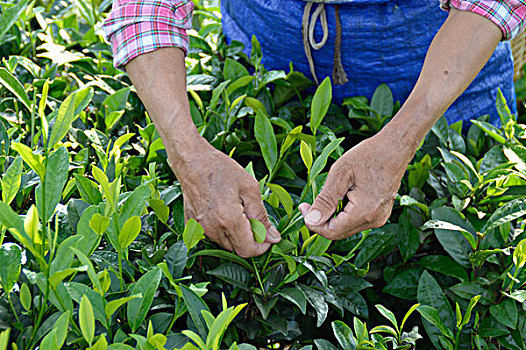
[95,251]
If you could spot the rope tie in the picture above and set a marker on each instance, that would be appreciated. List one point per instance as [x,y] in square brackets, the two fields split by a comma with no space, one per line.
[338,73]
[309,41]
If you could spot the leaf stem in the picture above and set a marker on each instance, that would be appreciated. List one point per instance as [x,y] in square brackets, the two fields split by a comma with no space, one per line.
[12,307]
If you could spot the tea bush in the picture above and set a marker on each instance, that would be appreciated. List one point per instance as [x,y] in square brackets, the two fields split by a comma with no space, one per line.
[95,252]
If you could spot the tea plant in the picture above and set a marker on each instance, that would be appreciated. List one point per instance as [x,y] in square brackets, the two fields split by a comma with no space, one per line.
[95,251]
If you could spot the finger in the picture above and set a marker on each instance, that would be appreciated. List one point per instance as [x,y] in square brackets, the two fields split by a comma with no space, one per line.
[217,234]
[254,209]
[361,213]
[211,230]
[242,238]
[326,203]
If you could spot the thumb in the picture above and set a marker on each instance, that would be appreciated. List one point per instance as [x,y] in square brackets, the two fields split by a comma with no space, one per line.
[254,209]
[324,205]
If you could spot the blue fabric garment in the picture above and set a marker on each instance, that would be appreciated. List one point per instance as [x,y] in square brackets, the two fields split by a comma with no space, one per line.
[383,41]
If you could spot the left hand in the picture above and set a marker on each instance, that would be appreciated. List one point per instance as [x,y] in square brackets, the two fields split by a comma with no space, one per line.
[369,175]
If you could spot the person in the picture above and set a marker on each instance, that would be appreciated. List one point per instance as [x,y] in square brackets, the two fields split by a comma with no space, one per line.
[149,40]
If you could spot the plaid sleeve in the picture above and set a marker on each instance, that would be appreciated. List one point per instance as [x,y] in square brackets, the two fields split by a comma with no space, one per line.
[508,15]
[135,27]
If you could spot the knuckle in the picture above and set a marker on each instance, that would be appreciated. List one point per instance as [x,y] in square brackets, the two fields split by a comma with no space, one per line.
[251,189]
[225,223]
[245,253]
[326,199]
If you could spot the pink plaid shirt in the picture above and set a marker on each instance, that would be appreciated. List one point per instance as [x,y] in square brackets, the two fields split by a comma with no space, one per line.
[135,27]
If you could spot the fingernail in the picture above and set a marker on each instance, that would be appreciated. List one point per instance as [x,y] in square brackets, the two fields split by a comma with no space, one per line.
[313,217]
[272,232]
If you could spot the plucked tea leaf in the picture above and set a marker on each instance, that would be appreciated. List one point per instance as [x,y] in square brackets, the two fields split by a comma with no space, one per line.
[258,229]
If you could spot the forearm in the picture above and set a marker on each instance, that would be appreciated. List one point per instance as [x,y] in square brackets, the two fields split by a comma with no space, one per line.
[160,80]
[458,52]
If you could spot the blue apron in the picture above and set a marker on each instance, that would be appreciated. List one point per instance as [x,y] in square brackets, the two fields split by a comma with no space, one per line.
[382,41]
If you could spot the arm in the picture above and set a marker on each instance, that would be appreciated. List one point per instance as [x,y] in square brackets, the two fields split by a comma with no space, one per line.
[148,39]
[370,173]
[217,191]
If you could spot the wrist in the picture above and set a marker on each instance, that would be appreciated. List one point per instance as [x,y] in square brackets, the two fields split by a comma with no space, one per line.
[182,142]
[411,124]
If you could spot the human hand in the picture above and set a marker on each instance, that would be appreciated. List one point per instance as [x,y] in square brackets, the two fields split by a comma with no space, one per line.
[221,195]
[369,175]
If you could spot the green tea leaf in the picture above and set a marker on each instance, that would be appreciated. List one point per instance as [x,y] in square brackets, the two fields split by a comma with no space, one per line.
[35,161]
[468,290]
[4,339]
[382,100]
[306,155]
[283,196]
[387,314]
[321,161]
[13,84]
[508,212]
[505,313]
[193,233]
[10,265]
[295,296]
[225,255]
[407,314]
[115,102]
[65,116]
[11,220]
[454,242]
[444,265]
[10,16]
[317,301]
[114,305]
[502,109]
[196,339]
[91,270]
[320,104]
[218,328]
[444,225]
[11,181]
[384,329]
[255,54]
[161,209]
[467,315]
[55,180]
[258,229]
[266,139]
[76,291]
[88,189]
[147,285]
[86,320]
[61,328]
[58,276]
[431,315]
[99,223]
[129,231]
[195,305]
[5,142]
[491,130]
[239,83]
[25,297]
[234,274]
[344,335]
[519,254]
[442,319]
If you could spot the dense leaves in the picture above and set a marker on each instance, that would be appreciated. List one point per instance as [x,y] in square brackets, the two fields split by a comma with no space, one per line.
[95,251]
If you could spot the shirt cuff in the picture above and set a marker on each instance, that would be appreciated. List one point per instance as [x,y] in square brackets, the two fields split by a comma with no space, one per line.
[508,15]
[135,27]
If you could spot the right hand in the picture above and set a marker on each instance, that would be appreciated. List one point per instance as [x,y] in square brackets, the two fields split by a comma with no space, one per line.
[221,195]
